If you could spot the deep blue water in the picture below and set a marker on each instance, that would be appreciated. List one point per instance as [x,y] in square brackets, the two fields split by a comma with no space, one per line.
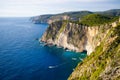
[22,57]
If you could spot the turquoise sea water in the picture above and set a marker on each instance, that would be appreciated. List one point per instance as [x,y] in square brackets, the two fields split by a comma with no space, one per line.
[22,57]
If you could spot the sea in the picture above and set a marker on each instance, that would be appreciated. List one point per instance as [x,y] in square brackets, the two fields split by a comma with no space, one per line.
[23,57]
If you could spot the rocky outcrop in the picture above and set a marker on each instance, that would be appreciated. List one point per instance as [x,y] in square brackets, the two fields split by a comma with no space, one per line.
[104,61]
[101,42]
[40,19]
[58,18]
[74,36]
[49,18]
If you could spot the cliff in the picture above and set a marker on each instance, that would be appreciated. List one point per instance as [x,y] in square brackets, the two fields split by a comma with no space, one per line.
[41,19]
[99,36]
[104,62]
[76,37]
[74,16]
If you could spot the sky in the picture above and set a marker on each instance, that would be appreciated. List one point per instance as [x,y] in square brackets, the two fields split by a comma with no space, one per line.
[28,8]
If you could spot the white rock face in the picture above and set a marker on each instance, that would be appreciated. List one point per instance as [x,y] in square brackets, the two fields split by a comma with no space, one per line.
[62,41]
[86,38]
[89,48]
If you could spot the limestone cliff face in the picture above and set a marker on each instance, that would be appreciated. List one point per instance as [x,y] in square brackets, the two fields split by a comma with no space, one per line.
[57,18]
[101,42]
[74,36]
[49,18]
[104,61]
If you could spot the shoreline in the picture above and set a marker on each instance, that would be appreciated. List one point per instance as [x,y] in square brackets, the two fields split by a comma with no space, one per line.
[66,49]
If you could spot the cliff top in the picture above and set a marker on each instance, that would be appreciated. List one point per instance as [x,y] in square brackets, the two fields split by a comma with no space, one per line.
[97,19]
[74,15]
[104,62]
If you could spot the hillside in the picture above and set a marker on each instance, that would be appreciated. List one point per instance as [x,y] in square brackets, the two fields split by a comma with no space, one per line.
[112,12]
[101,40]
[79,36]
[97,19]
[74,16]
[104,62]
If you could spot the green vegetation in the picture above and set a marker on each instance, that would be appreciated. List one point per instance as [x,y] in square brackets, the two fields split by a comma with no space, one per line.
[78,14]
[104,62]
[74,16]
[97,19]
[112,12]
[105,56]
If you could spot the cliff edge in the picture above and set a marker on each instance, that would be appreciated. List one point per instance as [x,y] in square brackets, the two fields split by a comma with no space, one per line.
[104,62]
[99,36]
[76,37]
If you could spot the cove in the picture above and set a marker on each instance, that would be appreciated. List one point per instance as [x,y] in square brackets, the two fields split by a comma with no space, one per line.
[22,57]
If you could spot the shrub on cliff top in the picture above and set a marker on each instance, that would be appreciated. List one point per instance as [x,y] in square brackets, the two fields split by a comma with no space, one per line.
[97,19]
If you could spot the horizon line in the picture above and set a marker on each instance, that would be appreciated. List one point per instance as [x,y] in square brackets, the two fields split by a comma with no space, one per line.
[56,13]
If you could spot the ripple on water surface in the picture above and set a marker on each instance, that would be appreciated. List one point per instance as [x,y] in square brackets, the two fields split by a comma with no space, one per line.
[23,58]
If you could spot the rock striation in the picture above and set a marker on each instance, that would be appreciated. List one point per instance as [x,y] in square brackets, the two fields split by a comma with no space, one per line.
[104,62]
[101,42]
[74,36]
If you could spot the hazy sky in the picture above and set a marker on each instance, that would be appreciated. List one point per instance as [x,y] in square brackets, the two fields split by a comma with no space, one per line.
[19,8]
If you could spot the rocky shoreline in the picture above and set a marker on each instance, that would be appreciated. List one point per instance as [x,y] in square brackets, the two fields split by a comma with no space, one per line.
[86,38]
[53,44]
[101,43]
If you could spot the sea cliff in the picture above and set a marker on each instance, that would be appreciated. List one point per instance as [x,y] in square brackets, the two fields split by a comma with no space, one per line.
[76,37]
[104,62]
[99,35]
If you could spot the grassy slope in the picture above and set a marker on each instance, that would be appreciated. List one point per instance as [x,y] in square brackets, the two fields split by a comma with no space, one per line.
[104,62]
[95,66]
[97,19]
